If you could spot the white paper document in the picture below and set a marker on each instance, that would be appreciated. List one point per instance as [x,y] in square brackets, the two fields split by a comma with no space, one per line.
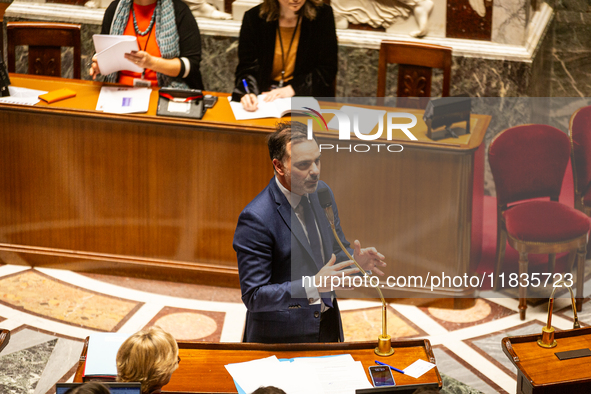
[367,119]
[274,109]
[253,374]
[101,357]
[323,375]
[418,368]
[336,374]
[120,100]
[22,96]
[110,51]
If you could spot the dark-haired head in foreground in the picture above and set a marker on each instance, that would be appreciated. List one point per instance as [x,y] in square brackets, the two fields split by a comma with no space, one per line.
[89,388]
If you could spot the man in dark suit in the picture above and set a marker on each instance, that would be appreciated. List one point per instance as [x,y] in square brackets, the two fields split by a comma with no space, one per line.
[284,236]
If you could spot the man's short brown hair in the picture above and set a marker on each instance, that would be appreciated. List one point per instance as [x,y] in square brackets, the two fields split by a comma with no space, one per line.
[285,132]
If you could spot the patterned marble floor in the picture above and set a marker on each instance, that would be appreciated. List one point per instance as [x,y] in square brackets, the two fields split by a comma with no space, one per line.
[50,312]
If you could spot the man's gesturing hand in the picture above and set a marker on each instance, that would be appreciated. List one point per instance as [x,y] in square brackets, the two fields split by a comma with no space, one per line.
[369,258]
[331,269]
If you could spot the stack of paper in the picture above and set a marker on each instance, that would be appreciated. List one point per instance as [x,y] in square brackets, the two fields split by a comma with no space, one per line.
[110,51]
[323,375]
[22,96]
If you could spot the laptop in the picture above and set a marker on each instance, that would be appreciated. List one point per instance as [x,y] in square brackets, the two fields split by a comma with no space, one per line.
[114,387]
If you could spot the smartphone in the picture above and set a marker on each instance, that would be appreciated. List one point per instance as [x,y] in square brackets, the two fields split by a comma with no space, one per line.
[209,100]
[381,376]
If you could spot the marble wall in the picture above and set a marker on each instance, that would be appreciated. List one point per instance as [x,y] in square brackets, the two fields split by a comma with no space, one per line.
[571,52]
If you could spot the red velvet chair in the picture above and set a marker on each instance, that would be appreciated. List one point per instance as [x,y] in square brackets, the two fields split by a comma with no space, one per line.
[529,162]
[580,133]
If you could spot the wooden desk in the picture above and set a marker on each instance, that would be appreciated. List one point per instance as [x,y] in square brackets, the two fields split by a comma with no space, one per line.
[539,371]
[157,197]
[202,364]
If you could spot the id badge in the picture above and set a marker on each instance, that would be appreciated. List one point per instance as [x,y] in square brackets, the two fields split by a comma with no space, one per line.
[141,83]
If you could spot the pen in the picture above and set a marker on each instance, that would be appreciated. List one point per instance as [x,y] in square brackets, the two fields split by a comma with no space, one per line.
[391,367]
[245,86]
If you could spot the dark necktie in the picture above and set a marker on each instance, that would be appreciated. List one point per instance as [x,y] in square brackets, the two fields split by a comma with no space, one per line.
[314,239]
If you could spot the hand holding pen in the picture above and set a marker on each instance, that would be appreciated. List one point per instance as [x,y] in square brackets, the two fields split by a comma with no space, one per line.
[249,101]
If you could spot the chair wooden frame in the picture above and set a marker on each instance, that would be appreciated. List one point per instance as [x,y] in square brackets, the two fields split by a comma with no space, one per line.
[4,338]
[579,194]
[415,63]
[576,248]
[45,40]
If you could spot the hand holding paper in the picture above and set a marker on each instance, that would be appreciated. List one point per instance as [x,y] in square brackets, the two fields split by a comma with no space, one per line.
[111,50]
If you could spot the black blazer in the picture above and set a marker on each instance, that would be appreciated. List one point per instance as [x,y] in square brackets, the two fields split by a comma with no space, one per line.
[316,58]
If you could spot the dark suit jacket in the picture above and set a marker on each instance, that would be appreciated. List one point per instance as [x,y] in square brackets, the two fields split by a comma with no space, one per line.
[272,248]
[316,57]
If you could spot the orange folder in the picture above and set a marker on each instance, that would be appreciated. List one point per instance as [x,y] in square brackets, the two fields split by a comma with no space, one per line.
[57,95]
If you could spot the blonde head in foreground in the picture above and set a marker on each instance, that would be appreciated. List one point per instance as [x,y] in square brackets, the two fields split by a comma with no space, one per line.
[150,357]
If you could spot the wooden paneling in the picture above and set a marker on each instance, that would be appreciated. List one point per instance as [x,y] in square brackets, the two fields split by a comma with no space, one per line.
[156,197]
[415,207]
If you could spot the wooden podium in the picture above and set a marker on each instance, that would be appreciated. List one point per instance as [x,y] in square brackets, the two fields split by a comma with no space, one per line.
[539,371]
[202,364]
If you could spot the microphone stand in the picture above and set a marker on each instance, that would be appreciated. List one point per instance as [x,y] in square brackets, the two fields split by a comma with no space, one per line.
[384,348]
[547,341]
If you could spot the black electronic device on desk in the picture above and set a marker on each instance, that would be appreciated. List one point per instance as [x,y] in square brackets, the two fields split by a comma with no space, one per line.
[446,111]
[4,80]
[209,100]
[114,387]
[181,103]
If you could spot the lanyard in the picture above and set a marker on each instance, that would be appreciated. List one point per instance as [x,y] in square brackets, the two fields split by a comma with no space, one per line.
[288,49]
[136,30]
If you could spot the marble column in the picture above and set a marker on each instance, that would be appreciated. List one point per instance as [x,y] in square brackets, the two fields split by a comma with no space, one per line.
[510,21]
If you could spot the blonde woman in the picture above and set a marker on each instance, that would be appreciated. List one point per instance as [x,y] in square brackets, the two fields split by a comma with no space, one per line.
[149,357]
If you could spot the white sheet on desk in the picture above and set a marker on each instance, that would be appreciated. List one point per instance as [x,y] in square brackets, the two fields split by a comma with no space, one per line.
[251,375]
[123,100]
[418,368]
[274,109]
[22,96]
[336,375]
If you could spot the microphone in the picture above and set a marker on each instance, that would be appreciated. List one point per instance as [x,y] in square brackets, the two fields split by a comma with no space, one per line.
[326,204]
[384,348]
